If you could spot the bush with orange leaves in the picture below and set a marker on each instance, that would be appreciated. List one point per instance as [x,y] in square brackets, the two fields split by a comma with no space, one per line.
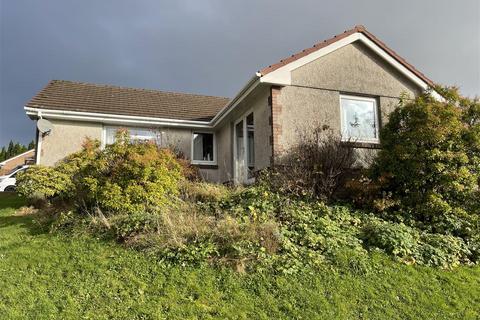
[126,176]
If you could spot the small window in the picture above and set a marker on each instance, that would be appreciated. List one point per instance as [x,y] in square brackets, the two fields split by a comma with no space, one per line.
[359,119]
[203,148]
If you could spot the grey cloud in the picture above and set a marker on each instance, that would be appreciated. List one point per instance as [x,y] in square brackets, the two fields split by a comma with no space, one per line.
[211,47]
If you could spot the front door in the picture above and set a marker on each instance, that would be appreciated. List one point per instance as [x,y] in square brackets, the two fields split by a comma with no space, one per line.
[244,157]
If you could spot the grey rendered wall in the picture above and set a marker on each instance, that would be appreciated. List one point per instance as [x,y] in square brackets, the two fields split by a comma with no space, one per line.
[314,97]
[224,136]
[66,137]
[257,102]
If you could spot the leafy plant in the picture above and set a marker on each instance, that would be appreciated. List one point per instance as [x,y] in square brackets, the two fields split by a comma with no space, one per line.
[430,160]
[44,182]
[396,239]
[127,176]
[317,166]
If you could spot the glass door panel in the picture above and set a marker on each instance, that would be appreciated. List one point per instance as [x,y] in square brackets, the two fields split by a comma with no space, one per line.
[240,168]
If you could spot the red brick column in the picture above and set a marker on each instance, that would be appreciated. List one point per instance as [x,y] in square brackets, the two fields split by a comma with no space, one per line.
[276,106]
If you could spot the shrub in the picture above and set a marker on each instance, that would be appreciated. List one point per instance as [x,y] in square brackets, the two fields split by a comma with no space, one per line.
[204,192]
[127,176]
[318,166]
[442,250]
[44,182]
[396,239]
[430,159]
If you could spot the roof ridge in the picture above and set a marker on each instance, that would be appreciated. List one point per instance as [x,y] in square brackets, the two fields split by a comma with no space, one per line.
[101,85]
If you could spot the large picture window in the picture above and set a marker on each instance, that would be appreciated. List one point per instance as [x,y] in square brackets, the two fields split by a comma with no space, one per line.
[139,134]
[203,148]
[359,119]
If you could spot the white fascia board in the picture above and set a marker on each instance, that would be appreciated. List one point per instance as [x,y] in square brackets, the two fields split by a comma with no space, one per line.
[249,87]
[114,119]
[283,75]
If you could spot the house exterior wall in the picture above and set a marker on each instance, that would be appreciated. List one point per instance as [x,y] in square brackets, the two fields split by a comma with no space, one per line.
[313,99]
[65,138]
[224,137]
[256,102]
[263,131]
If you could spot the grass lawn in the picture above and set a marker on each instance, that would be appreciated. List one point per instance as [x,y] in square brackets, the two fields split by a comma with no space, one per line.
[46,276]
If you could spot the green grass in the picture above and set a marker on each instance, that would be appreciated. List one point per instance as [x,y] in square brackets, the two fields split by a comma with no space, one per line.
[47,276]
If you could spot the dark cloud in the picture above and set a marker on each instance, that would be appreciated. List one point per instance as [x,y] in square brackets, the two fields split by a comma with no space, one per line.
[211,47]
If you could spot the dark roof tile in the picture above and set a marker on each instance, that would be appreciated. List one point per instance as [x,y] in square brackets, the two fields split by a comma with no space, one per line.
[87,97]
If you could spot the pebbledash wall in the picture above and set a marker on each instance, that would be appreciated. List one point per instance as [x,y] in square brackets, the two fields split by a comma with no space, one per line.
[67,137]
[313,99]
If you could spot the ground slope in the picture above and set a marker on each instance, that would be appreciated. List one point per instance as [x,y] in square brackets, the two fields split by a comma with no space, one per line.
[46,276]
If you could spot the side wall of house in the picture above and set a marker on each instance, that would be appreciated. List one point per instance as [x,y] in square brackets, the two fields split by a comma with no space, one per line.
[256,102]
[65,138]
[313,99]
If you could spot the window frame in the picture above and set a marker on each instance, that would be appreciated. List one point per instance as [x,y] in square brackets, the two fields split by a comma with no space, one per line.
[105,128]
[376,114]
[203,162]
[243,118]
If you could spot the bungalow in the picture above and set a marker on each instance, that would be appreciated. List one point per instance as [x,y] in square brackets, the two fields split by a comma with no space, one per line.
[350,83]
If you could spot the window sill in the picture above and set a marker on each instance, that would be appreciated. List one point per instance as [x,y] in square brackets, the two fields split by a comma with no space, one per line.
[362,144]
[203,165]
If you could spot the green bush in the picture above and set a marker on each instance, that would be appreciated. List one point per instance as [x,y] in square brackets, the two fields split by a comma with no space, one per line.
[124,177]
[44,182]
[443,251]
[429,164]
[396,239]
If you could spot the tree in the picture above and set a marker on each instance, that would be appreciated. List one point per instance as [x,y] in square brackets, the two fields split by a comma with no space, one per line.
[3,154]
[430,158]
[10,150]
[13,149]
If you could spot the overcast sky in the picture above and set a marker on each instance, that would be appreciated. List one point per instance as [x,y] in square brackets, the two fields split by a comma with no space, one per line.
[211,47]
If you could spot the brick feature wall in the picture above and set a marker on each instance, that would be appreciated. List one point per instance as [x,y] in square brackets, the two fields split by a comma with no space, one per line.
[276,106]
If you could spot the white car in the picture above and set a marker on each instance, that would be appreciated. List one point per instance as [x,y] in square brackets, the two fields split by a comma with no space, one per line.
[8,182]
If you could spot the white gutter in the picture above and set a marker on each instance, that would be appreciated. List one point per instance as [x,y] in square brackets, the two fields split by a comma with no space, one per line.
[114,119]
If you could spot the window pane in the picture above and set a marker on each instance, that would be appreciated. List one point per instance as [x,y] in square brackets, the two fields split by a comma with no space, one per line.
[110,135]
[141,134]
[203,146]
[359,119]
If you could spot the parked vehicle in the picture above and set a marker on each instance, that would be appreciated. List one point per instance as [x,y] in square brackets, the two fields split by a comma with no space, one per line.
[8,182]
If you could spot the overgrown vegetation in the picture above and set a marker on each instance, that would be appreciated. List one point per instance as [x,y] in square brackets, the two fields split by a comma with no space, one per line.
[52,276]
[418,203]
[318,166]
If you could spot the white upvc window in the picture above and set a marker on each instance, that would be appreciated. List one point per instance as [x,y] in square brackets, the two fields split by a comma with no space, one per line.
[360,121]
[136,134]
[204,149]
